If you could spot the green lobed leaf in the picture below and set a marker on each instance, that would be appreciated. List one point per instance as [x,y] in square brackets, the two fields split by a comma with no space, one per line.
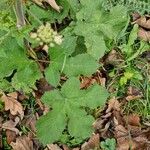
[82,64]
[13,57]
[68,105]
[52,73]
[51,125]
[96,25]
[69,44]
[80,124]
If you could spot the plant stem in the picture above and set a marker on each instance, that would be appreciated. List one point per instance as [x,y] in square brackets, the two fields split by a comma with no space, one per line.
[19,13]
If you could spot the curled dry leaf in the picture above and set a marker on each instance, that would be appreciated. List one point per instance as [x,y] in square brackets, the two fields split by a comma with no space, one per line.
[10,136]
[143,22]
[92,143]
[22,143]
[113,104]
[11,125]
[77,148]
[30,123]
[133,93]
[86,82]
[11,103]
[53,4]
[65,147]
[143,34]
[126,145]
[38,2]
[98,124]
[133,119]
[113,58]
[135,16]
[1,142]
[119,118]
[53,147]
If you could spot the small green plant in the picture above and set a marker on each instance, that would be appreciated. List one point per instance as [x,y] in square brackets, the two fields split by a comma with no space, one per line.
[108,144]
[68,111]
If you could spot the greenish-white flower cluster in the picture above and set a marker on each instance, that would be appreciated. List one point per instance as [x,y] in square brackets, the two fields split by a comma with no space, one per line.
[45,35]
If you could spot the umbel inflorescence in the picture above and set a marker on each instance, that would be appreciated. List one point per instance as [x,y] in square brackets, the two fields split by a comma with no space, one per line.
[45,35]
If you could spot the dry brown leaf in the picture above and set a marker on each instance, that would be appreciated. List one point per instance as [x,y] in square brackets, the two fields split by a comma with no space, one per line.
[77,148]
[1,139]
[98,124]
[65,147]
[126,144]
[22,143]
[123,139]
[30,123]
[107,115]
[53,147]
[53,4]
[143,22]
[113,58]
[38,2]
[113,104]
[120,131]
[135,16]
[133,97]
[133,91]
[11,125]
[86,82]
[118,116]
[12,104]
[10,136]
[92,143]
[133,119]
[143,34]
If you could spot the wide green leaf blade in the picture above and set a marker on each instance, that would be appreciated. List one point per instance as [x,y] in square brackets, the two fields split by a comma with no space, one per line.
[71,89]
[80,124]
[82,64]
[95,96]
[51,126]
[13,57]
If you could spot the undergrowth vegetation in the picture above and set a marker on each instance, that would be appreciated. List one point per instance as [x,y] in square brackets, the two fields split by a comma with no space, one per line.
[64,60]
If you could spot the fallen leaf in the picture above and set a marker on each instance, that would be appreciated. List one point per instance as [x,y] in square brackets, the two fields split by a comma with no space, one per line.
[11,125]
[30,122]
[143,22]
[53,4]
[53,147]
[133,91]
[113,104]
[65,147]
[92,143]
[118,116]
[113,58]
[126,144]
[133,119]
[99,123]
[120,131]
[77,148]
[135,16]
[86,82]
[109,114]
[38,2]
[143,34]
[1,140]
[22,143]
[10,136]
[11,103]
